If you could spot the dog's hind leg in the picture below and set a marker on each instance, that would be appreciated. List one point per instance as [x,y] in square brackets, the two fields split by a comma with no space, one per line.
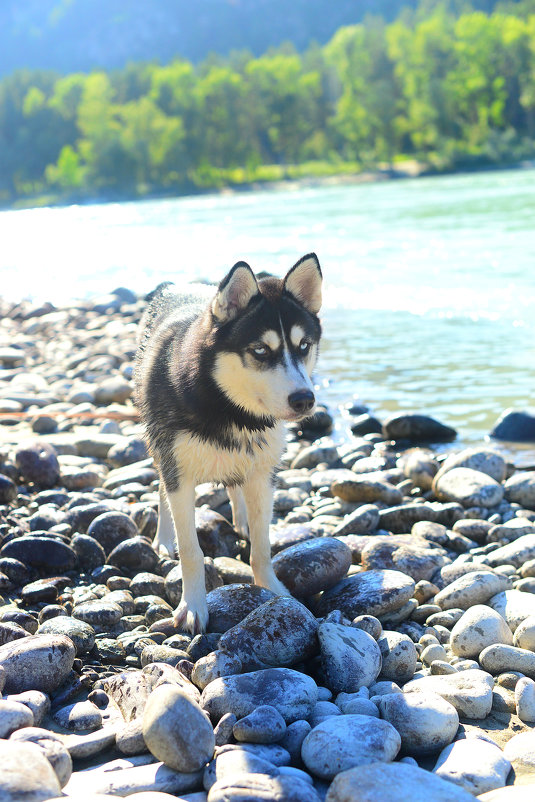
[192,612]
[239,510]
[165,539]
[258,494]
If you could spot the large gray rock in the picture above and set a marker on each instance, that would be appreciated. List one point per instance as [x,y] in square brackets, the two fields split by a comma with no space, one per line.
[38,662]
[468,487]
[513,605]
[52,747]
[81,634]
[470,692]
[520,488]
[499,658]
[474,764]
[128,776]
[176,731]
[310,567]
[25,773]
[280,632]
[515,425]
[425,721]
[520,750]
[342,742]
[476,587]
[292,693]
[516,553]
[485,460]
[367,487]
[230,604]
[375,593]
[393,782]
[259,787]
[479,627]
[414,556]
[399,656]
[350,658]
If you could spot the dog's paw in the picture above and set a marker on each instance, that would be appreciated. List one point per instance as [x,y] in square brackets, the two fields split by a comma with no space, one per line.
[190,616]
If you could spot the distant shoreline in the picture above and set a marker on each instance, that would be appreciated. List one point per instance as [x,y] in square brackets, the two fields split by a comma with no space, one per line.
[408,169]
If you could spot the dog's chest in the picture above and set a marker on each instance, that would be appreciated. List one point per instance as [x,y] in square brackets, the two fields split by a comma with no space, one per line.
[204,461]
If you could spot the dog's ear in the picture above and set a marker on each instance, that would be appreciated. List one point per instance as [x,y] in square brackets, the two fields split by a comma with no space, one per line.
[303,281]
[234,292]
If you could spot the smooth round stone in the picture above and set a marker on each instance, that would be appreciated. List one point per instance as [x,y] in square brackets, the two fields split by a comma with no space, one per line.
[280,632]
[81,634]
[308,568]
[323,710]
[8,489]
[129,740]
[111,528]
[13,716]
[247,787]
[55,752]
[135,553]
[362,521]
[375,593]
[399,656]
[37,662]
[79,716]
[37,462]
[484,460]
[520,488]
[230,604]
[9,631]
[176,730]
[516,553]
[89,552]
[98,613]
[468,487]
[425,721]
[273,753]
[214,665]
[525,700]
[420,467]
[26,774]
[234,572]
[513,605]
[417,428]
[520,751]
[498,658]
[475,587]
[286,536]
[292,693]
[515,425]
[469,691]
[525,634]
[265,725]
[368,623]
[368,487]
[350,658]
[393,782]
[146,584]
[510,793]
[480,626]
[43,552]
[412,555]
[342,742]
[126,451]
[36,701]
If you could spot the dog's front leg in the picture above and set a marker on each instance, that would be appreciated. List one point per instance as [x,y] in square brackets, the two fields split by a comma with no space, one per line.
[258,494]
[165,539]
[192,612]
[239,510]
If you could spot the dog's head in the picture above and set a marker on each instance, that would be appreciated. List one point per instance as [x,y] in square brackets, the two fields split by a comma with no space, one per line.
[266,334]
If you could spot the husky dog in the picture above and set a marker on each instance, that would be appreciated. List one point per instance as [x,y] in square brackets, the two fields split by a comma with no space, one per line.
[216,377]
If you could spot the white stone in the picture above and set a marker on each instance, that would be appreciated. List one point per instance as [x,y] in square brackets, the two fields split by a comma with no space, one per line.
[13,716]
[470,691]
[476,587]
[425,721]
[525,634]
[479,627]
[474,764]
[513,605]
[498,658]
[25,773]
[525,700]
[351,658]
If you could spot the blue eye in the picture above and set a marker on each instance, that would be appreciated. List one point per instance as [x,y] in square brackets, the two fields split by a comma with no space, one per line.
[260,350]
[304,345]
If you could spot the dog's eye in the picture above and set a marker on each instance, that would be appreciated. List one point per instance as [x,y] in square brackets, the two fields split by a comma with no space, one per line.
[304,346]
[260,351]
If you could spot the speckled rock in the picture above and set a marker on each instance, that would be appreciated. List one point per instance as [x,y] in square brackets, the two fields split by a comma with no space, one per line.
[520,488]
[525,634]
[111,528]
[411,555]
[366,488]
[475,587]
[292,693]
[484,460]
[79,716]
[376,593]
[342,742]
[308,568]
[13,716]
[259,787]
[470,691]
[38,662]
[37,462]
[516,553]
[399,656]
[350,658]
[479,627]
[425,721]
[513,605]
[230,604]
[40,551]
[499,657]
[25,773]
[51,744]
[265,725]
[520,751]
[81,634]
[469,487]
[525,700]
[176,730]
[280,632]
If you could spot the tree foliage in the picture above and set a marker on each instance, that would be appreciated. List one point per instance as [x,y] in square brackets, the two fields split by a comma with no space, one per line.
[448,87]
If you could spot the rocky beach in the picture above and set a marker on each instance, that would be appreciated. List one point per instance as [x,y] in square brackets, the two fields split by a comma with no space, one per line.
[401,668]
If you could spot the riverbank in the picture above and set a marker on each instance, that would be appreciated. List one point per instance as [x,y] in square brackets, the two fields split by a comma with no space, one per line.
[407,648]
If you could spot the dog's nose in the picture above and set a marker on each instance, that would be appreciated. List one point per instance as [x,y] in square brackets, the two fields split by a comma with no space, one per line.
[302,401]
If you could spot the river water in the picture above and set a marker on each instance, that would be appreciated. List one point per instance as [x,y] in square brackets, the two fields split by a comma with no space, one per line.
[430,283]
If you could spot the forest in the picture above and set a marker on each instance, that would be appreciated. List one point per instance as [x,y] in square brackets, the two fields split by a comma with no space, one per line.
[449,90]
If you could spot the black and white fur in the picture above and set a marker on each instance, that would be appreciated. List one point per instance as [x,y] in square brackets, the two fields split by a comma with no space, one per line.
[216,377]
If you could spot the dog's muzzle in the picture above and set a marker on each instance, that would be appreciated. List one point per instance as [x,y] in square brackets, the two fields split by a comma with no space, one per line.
[302,401]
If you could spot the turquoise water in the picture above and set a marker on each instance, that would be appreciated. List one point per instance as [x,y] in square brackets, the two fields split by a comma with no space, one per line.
[430,283]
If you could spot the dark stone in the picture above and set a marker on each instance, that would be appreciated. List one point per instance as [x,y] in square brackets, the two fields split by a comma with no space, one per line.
[400,519]
[230,604]
[173,581]
[289,536]
[112,528]
[366,424]
[126,452]
[515,426]
[375,593]
[89,552]
[45,518]
[201,645]
[15,570]
[216,536]
[281,632]
[98,613]
[42,590]
[38,463]
[20,617]
[8,490]
[417,429]
[308,568]
[321,422]
[80,516]
[134,554]
[40,552]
